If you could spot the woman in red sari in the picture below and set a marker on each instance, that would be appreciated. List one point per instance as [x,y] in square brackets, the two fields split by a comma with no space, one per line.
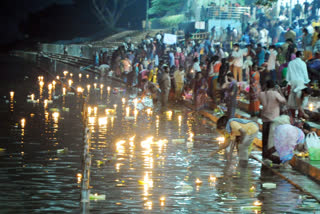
[200,91]
[254,106]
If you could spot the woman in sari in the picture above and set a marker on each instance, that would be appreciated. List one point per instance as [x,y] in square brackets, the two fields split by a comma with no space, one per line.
[200,91]
[287,138]
[254,91]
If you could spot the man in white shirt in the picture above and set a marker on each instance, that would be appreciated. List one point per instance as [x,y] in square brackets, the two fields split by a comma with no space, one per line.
[263,34]
[237,55]
[271,64]
[297,70]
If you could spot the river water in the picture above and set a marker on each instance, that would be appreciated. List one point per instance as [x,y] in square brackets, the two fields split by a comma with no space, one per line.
[143,161]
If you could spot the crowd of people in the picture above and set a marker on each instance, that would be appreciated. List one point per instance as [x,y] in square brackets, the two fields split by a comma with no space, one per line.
[270,62]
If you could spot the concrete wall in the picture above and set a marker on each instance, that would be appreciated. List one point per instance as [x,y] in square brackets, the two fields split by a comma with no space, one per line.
[84,51]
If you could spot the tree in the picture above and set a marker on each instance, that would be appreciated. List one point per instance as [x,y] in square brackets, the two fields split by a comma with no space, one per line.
[109,11]
[164,7]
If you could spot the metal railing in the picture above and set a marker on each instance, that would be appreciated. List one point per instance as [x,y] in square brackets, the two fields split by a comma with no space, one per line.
[221,12]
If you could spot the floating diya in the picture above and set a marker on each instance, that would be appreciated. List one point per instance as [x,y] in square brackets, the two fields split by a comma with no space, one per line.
[311,107]
[198,182]
[41,83]
[70,82]
[23,122]
[79,177]
[212,178]
[162,201]
[79,89]
[257,203]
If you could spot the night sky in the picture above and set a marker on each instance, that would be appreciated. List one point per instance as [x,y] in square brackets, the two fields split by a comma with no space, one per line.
[72,19]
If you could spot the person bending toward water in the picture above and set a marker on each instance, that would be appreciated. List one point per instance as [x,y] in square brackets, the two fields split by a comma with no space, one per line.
[245,130]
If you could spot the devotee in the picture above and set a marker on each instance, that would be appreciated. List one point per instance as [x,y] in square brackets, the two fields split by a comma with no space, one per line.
[297,69]
[288,138]
[152,89]
[200,87]
[271,64]
[179,76]
[246,130]
[307,44]
[231,90]
[237,55]
[254,105]
[270,100]
[165,86]
[298,99]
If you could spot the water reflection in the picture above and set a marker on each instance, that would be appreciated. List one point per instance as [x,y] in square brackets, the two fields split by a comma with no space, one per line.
[141,160]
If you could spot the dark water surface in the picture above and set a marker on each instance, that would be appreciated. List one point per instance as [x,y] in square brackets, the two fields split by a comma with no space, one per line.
[154,172]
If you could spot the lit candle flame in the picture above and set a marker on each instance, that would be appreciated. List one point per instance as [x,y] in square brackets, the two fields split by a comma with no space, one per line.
[135,101]
[212,178]
[80,75]
[45,103]
[79,90]
[123,101]
[95,85]
[11,94]
[162,201]
[198,181]
[88,87]
[101,86]
[55,116]
[23,122]
[57,77]
[70,82]
[65,73]
[128,111]
[79,177]
[88,76]
[89,110]
[50,87]
[32,97]
[103,121]
[311,107]
[64,91]
[41,83]
[54,83]
[108,88]
[257,203]
[95,110]
[221,140]
[71,74]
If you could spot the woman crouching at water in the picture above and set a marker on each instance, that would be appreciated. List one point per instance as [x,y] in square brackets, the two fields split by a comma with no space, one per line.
[245,130]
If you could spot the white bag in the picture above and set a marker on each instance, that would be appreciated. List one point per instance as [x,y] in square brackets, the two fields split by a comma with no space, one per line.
[312,140]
